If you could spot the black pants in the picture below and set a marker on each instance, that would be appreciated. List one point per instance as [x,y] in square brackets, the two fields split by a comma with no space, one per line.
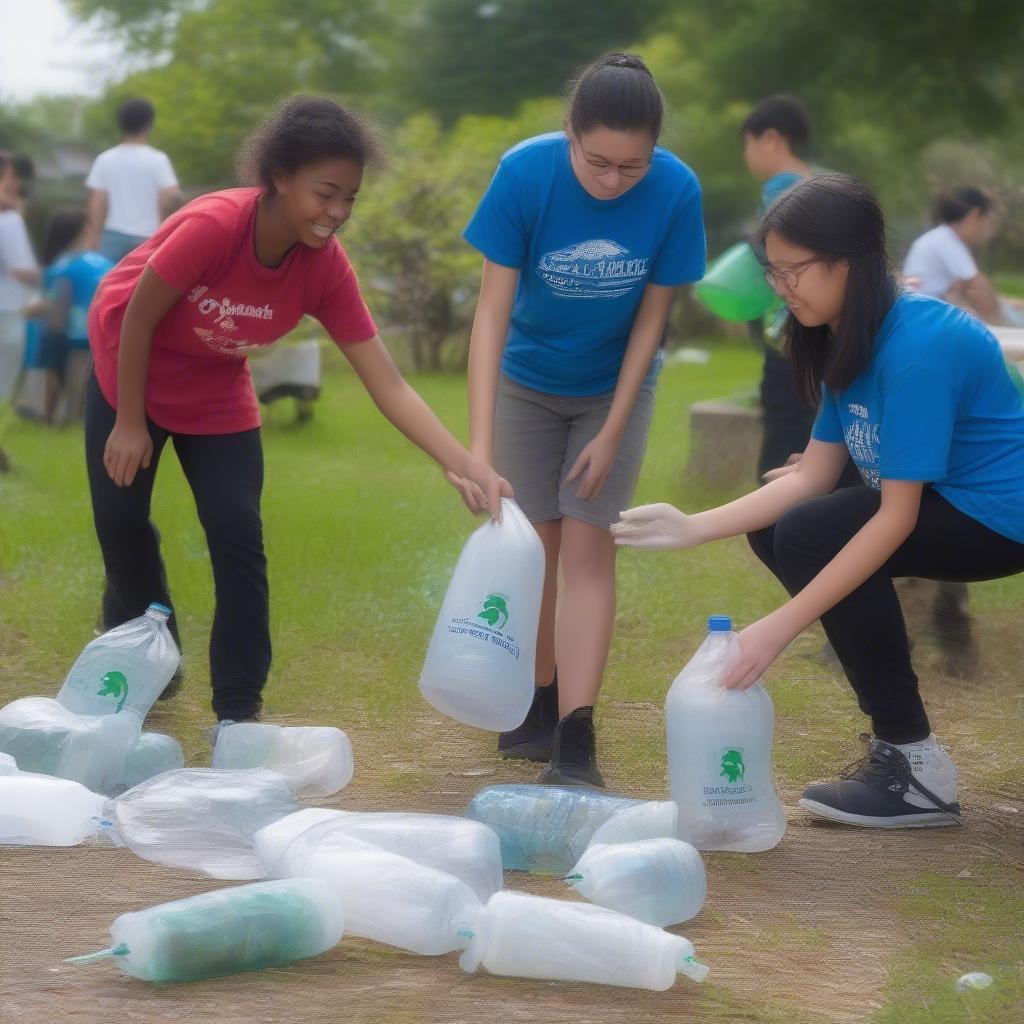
[225,473]
[787,421]
[866,628]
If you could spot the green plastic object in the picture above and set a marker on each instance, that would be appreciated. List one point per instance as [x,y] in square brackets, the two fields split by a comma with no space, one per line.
[247,928]
[734,287]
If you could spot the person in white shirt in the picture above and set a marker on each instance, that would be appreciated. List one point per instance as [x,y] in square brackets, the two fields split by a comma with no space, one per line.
[132,187]
[940,263]
[19,274]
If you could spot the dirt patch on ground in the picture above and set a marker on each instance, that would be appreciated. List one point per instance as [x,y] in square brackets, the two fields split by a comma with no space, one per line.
[806,932]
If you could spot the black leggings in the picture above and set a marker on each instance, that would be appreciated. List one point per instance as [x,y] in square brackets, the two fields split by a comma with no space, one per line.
[225,473]
[866,628]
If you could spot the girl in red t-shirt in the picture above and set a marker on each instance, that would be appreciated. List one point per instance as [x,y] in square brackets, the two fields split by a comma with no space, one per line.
[169,331]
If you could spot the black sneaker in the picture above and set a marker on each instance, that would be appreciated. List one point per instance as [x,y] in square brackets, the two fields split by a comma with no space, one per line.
[574,757]
[533,739]
[884,790]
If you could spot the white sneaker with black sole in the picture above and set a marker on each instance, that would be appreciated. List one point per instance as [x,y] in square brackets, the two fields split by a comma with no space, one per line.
[897,785]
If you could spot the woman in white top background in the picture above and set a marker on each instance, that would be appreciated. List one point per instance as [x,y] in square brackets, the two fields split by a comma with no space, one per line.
[941,263]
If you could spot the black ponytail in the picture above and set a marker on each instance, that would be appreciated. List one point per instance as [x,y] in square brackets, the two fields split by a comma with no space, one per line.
[616,91]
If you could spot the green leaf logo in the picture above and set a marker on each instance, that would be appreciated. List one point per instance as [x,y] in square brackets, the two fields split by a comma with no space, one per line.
[732,766]
[495,611]
[114,684]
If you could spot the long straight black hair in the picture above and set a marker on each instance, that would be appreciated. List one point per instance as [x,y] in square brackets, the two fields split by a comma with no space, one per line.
[838,219]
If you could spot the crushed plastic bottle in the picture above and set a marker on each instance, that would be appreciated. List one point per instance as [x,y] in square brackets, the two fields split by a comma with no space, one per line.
[46,738]
[125,669]
[247,928]
[720,753]
[38,810]
[660,881]
[153,754]
[524,936]
[387,897]
[202,819]
[479,666]
[545,829]
[974,980]
[466,849]
[316,760]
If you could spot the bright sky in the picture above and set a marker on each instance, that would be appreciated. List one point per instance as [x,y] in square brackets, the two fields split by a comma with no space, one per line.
[44,50]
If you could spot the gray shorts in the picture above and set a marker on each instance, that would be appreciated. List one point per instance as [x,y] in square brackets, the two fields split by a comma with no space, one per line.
[538,437]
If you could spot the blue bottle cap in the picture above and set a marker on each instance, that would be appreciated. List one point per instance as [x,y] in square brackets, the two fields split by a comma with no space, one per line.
[161,608]
[719,624]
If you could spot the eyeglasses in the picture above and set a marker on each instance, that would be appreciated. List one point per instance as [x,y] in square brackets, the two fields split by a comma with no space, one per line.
[602,167]
[788,276]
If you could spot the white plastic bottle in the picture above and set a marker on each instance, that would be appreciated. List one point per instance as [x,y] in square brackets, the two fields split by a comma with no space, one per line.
[126,668]
[45,737]
[524,936]
[246,928]
[720,753]
[37,810]
[466,849]
[202,819]
[316,760]
[660,881]
[387,897]
[479,666]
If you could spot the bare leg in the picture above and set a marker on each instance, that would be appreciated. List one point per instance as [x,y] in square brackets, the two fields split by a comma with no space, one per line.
[550,533]
[586,613]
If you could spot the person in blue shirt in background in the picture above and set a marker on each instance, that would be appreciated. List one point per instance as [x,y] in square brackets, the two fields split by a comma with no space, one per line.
[586,234]
[72,274]
[917,393]
[774,133]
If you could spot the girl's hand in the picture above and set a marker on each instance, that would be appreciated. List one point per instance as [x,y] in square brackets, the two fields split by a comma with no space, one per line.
[776,474]
[481,487]
[129,448]
[759,645]
[593,466]
[658,527]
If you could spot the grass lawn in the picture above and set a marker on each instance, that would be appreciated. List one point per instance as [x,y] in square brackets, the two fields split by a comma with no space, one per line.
[362,534]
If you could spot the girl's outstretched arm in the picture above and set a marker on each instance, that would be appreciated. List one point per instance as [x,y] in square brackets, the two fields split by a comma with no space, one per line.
[481,488]
[662,526]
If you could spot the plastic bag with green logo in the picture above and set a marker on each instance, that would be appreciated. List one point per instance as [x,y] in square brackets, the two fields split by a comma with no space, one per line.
[125,669]
[479,666]
[720,753]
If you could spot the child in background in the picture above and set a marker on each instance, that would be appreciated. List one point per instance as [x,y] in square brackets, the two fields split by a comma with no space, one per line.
[774,133]
[72,275]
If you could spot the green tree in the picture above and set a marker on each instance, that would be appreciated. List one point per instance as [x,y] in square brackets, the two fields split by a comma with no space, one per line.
[475,56]
[405,238]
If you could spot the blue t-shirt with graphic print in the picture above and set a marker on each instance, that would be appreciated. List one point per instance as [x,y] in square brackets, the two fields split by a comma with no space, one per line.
[936,404]
[584,262]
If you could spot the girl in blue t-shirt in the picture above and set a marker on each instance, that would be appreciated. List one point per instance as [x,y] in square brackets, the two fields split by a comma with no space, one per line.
[917,393]
[72,274]
[585,235]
